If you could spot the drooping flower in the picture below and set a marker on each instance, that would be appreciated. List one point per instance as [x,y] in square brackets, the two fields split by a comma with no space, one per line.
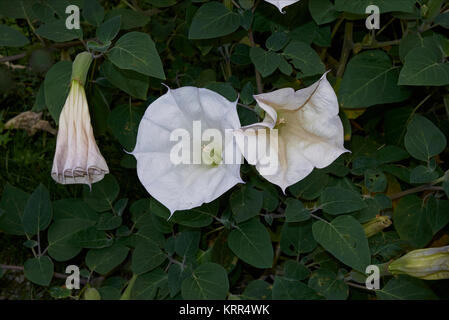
[308,129]
[183,140]
[77,157]
[426,264]
[280,4]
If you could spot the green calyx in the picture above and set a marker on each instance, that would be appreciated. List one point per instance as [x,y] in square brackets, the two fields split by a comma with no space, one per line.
[81,66]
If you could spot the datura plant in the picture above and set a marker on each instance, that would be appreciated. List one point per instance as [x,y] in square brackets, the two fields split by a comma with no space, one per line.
[77,157]
[426,264]
[203,121]
[280,4]
[310,132]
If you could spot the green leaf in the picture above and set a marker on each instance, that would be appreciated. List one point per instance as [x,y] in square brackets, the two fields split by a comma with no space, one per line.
[297,238]
[277,41]
[246,203]
[57,31]
[304,58]
[147,285]
[39,270]
[326,283]
[109,29]
[124,123]
[371,79]
[103,194]
[146,257]
[291,289]
[93,12]
[207,282]
[375,180]
[345,239]
[359,6]
[136,51]
[295,211]
[423,139]
[311,186]
[266,62]
[410,221]
[405,288]
[187,243]
[10,37]
[437,213]
[109,221]
[423,174]
[251,242]
[130,19]
[257,290]
[322,11]
[13,203]
[425,67]
[38,211]
[91,238]
[175,277]
[104,260]
[223,88]
[57,86]
[338,200]
[133,83]
[213,20]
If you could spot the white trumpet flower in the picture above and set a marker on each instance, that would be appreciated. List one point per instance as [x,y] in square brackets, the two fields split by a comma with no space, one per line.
[280,4]
[77,157]
[310,133]
[197,177]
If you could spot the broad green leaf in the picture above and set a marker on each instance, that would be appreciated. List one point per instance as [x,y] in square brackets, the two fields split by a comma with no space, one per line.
[250,241]
[223,88]
[213,20]
[130,19]
[57,31]
[295,211]
[99,114]
[423,174]
[13,204]
[93,12]
[38,211]
[322,11]
[207,282]
[57,86]
[10,37]
[277,41]
[175,277]
[405,288]
[133,83]
[311,186]
[109,29]
[136,51]
[104,260]
[423,139]
[108,221]
[246,203]
[91,238]
[124,122]
[266,62]
[39,270]
[295,270]
[304,58]
[338,200]
[345,239]
[326,283]
[103,194]
[291,289]
[437,212]
[359,6]
[371,79]
[74,209]
[147,285]
[410,221]
[257,290]
[187,243]
[146,257]
[375,180]
[425,67]
[297,238]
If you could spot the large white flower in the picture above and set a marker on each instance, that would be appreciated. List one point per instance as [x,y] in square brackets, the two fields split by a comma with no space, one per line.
[77,157]
[202,175]
[310,133]
[280,4]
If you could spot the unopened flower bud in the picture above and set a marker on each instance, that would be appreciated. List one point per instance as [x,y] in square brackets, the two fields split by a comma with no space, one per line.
[376,225]
[426,264]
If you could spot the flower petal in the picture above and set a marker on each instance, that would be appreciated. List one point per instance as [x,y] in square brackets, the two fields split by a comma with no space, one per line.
[184,186]
[280,4]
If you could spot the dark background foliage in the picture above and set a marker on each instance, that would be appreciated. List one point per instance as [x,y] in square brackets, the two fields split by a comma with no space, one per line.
[254,242]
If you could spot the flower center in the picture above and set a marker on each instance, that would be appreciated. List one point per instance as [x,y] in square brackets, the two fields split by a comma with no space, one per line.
[211,154]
